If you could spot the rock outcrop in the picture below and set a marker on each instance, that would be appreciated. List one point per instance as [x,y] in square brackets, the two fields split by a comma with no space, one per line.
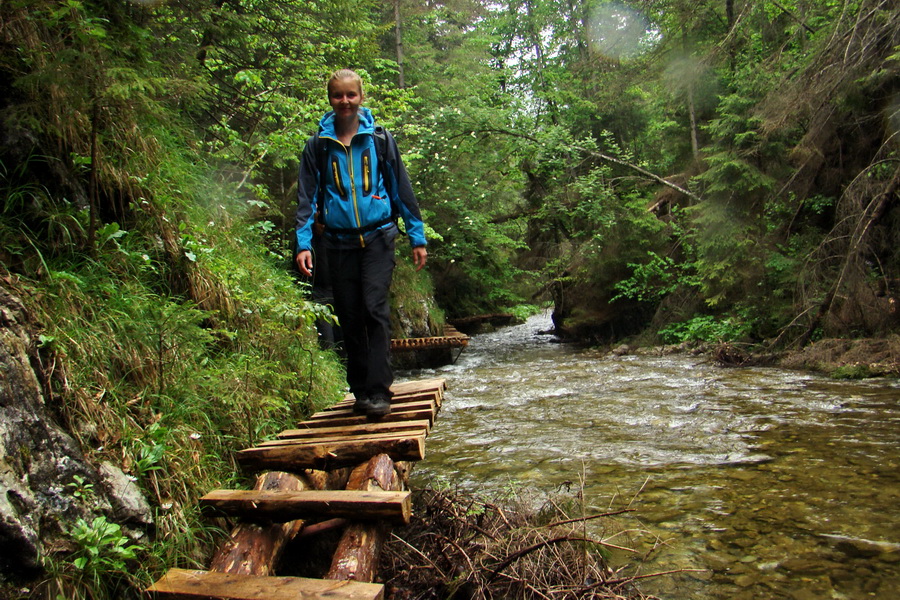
[46,484]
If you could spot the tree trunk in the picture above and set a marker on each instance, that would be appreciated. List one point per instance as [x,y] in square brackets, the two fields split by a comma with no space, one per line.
[254,549]
[357,553]
[398,34]
[692,109]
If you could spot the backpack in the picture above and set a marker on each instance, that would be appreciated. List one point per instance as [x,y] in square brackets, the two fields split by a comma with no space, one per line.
[381,143]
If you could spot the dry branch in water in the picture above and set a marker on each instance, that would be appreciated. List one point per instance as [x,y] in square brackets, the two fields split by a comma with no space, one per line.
[460,547]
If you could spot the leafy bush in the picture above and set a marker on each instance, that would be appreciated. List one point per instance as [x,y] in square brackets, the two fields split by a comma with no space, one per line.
[98,567]
[705,328]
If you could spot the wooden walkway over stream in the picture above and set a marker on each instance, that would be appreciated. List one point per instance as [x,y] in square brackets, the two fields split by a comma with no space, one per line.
[451,339]
[335,470]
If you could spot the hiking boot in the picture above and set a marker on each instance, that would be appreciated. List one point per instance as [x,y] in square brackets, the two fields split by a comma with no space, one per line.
[362,406]
[379,406]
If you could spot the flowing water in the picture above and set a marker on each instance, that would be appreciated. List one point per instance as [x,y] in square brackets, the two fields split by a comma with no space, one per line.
[770,483]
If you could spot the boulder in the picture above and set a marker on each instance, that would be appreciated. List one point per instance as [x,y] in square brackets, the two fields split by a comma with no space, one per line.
[42,468]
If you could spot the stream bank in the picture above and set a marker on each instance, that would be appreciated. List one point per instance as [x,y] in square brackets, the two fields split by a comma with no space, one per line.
[774,483]
[839,358]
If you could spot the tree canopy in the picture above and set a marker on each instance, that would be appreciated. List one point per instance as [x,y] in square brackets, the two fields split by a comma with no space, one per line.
[641,162]
[721,170]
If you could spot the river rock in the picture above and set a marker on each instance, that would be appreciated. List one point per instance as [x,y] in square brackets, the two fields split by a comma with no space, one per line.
[808,565]
[806,594]
[746,580]
[40,464]
[861,548]
[621,350]
[128,502]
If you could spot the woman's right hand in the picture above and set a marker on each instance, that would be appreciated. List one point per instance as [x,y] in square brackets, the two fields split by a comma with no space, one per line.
[305,262]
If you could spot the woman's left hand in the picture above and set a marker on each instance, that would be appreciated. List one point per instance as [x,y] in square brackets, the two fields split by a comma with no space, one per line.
[420,257]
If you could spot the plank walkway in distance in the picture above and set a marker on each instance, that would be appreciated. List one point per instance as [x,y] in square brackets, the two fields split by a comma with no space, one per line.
[317,448]
[451,339]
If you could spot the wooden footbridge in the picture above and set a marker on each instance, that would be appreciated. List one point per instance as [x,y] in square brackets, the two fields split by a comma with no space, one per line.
[334,471]
[451,339]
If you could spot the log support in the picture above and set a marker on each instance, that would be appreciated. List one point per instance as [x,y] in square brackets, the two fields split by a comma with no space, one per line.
[324,484]
[356,557]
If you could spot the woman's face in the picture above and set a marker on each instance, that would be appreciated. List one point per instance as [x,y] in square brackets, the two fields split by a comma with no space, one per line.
[345,96]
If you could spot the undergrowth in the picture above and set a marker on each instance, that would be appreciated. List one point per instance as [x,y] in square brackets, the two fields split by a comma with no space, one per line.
[172,344]
[463,546]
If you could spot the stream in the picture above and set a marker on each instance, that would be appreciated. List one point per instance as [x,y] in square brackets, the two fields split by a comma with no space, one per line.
[755,483]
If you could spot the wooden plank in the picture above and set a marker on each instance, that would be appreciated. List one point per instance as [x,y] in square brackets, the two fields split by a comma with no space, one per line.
[340,419]
[373,427]
[189,584]
[254,549]
[396,401]
[331,455]
[419,385]
[345,410]
[282,506]
[414,387]
[357,553]
[359,437]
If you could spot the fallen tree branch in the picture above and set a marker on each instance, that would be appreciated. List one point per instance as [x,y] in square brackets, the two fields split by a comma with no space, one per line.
[517,555]
[605,157]
[624,580]
[601,515]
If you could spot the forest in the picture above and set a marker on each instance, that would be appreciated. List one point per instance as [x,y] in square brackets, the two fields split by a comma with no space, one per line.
[654,171]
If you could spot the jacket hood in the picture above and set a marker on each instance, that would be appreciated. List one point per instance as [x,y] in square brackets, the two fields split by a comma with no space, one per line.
[366,123]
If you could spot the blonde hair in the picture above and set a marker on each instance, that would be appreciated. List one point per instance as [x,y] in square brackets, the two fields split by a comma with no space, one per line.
[341,74]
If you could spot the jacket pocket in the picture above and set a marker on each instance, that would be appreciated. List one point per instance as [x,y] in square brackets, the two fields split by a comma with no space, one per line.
[367,171]
[336,177]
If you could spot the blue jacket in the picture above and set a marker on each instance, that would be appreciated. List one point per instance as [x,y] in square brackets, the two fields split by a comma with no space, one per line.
[356,200]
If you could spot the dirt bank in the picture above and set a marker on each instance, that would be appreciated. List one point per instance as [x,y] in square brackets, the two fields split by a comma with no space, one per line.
[866,357]
[838,357]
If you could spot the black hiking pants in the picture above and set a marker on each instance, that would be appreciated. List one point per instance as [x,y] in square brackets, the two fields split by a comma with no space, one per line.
[361,282]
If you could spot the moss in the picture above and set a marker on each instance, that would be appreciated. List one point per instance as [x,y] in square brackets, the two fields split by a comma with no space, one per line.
[414,312]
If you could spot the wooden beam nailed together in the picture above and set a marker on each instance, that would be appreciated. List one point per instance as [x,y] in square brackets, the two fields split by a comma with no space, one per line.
[362,428]
[360,437]
[410,387]
[281,506]
[396,402]
[331,454]
[345,410]
[346,417]
[186,584]
[429,343]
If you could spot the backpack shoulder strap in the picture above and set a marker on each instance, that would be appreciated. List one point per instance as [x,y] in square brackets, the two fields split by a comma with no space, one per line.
[381,143]
[322,163]
[321,152]
[381,151]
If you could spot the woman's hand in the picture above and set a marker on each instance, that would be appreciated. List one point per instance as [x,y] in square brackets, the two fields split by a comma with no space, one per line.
[305,262]
[420,257]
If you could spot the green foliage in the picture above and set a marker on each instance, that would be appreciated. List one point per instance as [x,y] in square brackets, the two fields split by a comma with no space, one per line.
[80,488]
[852,372]
[98,566]
[183,339]
[147,194]
[521,312]
[101,548]
[705,328]
[655,279]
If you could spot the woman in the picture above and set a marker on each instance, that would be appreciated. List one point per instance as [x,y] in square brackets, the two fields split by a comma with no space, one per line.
[353,182]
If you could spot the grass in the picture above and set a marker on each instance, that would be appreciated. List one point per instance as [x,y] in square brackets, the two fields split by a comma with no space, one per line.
[177,343]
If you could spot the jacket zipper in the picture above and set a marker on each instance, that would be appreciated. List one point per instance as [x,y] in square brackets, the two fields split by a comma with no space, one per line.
[362,240]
